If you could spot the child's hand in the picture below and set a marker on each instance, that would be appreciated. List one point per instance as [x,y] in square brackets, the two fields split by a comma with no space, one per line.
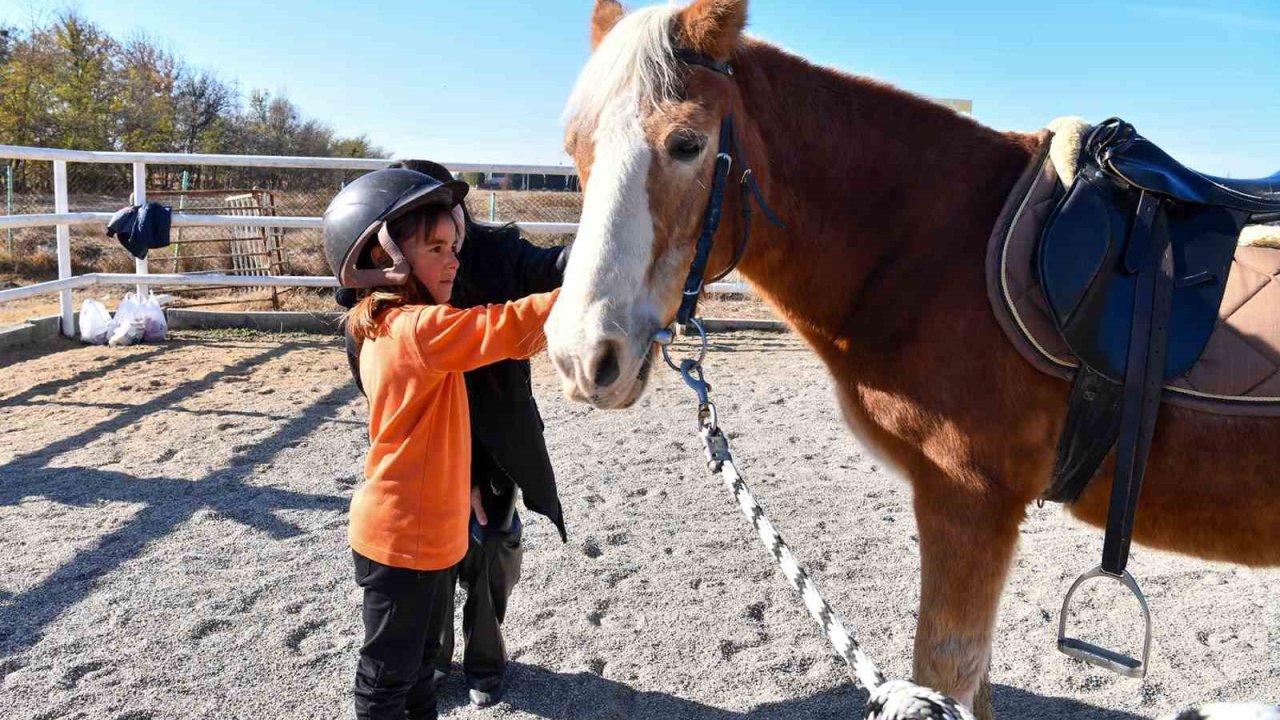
[477,507]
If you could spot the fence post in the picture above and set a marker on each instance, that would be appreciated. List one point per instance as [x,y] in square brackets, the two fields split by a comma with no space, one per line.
[60,205]
[493,206]
[140,198]
[182,205]
[8,201]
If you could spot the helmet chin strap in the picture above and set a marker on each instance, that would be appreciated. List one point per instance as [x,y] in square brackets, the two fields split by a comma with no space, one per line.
[459,223]
[400,269]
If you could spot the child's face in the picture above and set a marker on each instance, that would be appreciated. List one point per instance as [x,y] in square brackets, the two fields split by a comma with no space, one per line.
[433,255]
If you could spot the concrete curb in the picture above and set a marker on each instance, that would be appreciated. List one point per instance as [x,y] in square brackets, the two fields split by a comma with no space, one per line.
[731,324]
[266,321]
[32,332]
[327,323]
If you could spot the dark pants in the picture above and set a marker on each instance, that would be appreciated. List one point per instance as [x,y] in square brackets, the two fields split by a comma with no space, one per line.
[406,615]
[408,618]
[489,572]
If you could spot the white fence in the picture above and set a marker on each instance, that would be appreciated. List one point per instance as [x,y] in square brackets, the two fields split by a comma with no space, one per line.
[62,219]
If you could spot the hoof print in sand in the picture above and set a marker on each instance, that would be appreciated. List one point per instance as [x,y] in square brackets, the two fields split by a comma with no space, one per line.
[209,627]
[78,672]
[596,617]
[298,635]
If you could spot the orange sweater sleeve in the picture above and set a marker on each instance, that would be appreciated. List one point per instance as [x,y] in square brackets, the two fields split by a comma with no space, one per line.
[454,340]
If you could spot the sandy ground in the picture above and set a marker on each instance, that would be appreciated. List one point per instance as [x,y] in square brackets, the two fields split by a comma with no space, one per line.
[172,545]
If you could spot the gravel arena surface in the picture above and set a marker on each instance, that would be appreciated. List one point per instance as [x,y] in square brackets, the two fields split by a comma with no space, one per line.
[173,545]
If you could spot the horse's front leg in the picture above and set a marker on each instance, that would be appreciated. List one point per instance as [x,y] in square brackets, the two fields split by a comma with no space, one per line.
[967,541]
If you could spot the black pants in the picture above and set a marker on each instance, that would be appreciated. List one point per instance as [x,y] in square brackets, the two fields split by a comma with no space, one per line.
[489,573]
[406,615]
[408,619]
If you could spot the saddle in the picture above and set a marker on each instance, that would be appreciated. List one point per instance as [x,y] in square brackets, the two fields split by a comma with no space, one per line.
[1133,261]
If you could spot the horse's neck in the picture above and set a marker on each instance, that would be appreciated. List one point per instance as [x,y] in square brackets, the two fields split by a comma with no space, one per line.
[880,191]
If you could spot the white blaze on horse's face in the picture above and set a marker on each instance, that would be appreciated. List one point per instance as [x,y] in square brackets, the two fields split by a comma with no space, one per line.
[641,206]
[605,308]
[599,334]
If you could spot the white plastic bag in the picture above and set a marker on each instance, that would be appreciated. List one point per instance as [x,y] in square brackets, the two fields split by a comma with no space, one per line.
[95,322]
[127,307]
[130,323]
[155,326]
[127,333]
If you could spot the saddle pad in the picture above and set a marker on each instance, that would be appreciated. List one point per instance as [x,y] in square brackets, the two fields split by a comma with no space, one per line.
[1239,371]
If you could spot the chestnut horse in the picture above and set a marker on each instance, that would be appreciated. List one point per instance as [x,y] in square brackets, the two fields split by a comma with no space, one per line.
[888,201]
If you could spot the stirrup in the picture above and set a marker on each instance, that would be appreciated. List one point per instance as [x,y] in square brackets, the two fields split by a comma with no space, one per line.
[1096,654]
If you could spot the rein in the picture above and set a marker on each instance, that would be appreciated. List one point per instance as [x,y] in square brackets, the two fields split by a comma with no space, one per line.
[749,189]
[888,699]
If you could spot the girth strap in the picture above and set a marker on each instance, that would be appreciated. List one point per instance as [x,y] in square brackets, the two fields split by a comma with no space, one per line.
[1092,426]
[1150,254]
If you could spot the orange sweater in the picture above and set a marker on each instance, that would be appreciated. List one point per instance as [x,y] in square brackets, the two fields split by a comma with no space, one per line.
[413,508]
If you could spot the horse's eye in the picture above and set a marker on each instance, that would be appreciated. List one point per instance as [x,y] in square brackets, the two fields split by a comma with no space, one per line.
[684,146]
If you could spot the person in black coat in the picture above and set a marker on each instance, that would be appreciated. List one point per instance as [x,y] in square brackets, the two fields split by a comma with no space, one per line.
[508,450]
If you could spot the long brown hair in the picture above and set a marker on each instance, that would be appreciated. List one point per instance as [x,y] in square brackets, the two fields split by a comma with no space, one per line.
[364,320]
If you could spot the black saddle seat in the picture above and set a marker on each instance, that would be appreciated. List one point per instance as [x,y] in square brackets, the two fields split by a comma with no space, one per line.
[1144,165]
[1267,187]
[1089,269]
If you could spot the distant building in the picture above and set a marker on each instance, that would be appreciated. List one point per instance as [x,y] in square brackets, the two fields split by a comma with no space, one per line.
[528,181]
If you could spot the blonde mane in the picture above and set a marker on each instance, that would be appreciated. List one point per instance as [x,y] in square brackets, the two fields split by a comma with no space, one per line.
[632,66]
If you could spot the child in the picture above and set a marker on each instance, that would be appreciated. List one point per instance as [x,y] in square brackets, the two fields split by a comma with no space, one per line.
[395,234]
[509,457]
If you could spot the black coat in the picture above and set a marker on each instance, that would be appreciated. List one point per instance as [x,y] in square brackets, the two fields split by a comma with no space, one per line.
[141,228]
[498,266]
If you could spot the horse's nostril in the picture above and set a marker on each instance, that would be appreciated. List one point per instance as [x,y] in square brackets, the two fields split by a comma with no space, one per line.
[607,369]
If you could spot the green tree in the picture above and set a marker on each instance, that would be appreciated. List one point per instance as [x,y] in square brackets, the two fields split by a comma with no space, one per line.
[67,83]
[86,86]
[150,77]
[201,101]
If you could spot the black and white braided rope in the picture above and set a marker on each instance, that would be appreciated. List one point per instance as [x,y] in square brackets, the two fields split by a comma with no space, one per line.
[894,699]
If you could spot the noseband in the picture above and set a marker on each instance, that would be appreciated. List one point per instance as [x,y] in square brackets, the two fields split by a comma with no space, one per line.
[748,190]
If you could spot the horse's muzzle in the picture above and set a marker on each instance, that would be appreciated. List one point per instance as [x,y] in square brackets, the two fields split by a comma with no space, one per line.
[609,373]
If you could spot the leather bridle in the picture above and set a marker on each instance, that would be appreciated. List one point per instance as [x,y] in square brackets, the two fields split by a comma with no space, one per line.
[748,190]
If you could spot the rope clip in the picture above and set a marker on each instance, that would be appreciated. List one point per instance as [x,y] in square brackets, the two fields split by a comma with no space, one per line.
[716,446]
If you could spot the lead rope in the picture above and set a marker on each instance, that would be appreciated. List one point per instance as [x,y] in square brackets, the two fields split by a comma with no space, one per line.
[888,699]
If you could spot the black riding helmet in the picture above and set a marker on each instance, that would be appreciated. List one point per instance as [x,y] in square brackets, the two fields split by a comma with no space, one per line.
[361,211]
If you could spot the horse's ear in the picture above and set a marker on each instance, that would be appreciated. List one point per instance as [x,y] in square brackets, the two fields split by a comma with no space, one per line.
[713,27]
[606,15]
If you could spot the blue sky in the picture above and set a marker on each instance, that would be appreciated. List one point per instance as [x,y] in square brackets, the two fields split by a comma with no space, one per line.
[485,80]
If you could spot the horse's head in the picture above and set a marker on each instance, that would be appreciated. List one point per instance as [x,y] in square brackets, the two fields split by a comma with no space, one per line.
[643,128]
